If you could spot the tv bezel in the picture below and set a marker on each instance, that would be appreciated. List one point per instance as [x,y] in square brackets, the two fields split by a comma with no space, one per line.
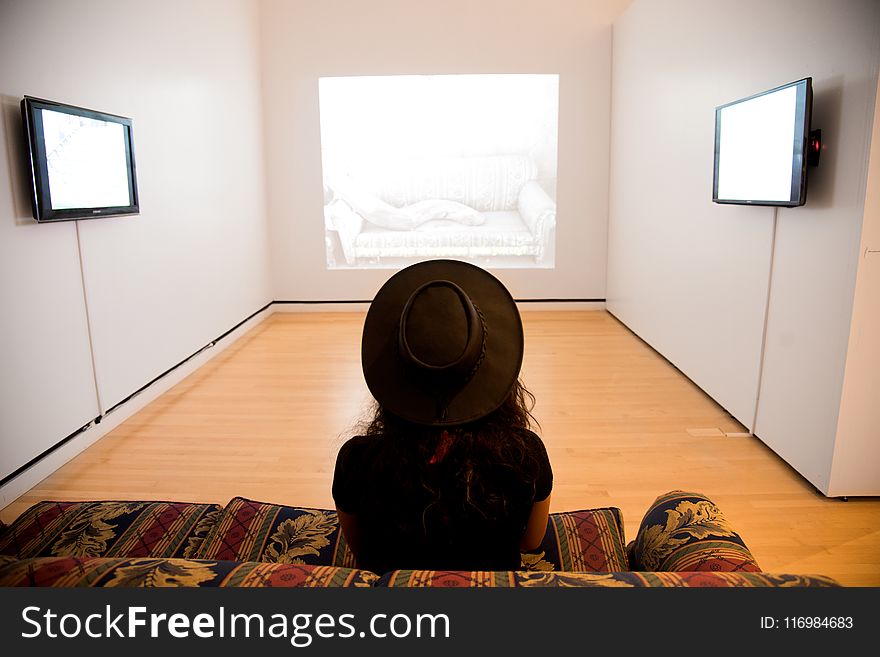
[36,147]
[803,120]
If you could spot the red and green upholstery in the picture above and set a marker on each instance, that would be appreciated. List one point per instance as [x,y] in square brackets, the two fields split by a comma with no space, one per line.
[586,540]
[687,532]
[246,530]
[684,541]
[162,573]
[259,531]
[109,529]
[518,579]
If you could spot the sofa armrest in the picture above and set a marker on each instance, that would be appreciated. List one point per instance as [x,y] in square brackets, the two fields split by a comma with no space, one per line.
[340,216]
[686,532]
[538,211]
[536,208]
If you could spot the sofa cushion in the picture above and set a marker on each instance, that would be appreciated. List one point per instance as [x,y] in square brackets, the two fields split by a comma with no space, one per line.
[247,530]
[467,579]
[586,540]
[109,529]
[118,572]
[684,531]
[448,579]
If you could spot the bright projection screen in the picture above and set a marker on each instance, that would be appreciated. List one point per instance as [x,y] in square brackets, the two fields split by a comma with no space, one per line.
[417,167]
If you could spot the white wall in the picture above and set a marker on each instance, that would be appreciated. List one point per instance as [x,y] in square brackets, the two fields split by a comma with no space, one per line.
[856,464]
[691,277]
[194,262]
[44,346]
[687,276]
[161,284]
[303,41]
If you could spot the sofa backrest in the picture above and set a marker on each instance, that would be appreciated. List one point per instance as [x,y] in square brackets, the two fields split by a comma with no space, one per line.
[249,530]
[488,184]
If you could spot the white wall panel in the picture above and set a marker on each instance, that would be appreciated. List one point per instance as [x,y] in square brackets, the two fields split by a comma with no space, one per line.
[47,388]
[688,276]
[856,463]
[817,248]
[194,263]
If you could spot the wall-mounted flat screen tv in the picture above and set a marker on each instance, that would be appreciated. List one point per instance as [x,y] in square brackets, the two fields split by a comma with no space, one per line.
[81,161]
[761,147]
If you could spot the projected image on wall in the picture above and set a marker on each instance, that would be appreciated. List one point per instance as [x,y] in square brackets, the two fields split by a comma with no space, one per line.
[439,166]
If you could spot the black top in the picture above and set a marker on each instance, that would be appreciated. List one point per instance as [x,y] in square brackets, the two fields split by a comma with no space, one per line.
[465,513]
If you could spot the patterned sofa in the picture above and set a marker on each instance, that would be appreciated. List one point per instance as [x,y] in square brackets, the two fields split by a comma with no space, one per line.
[683,541]
[468,208]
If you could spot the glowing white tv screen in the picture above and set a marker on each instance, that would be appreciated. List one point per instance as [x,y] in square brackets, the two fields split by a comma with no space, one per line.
[418,167]
[86,161]
[761,147]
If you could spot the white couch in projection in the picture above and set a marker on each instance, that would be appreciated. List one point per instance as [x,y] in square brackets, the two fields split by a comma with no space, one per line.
[482,209]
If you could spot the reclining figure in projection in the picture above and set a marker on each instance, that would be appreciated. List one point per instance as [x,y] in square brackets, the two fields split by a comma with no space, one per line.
[408,217]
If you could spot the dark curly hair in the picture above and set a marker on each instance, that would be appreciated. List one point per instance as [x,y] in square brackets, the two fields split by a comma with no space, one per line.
[435,488]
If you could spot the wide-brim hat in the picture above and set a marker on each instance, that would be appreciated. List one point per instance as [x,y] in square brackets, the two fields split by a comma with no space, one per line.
[442,343]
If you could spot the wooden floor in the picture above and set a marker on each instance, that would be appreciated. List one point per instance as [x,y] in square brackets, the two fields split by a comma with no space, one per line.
[265,418]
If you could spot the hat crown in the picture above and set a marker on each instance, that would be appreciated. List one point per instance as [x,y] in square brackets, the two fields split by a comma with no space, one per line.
[442,343]
[441,332]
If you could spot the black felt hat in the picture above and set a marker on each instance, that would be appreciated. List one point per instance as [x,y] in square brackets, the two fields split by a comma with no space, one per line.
[442,343]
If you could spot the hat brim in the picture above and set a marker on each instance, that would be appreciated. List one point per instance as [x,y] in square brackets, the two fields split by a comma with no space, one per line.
[391,381]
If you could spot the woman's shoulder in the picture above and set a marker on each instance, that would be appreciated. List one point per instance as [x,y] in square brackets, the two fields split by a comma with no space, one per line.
[531,439]
[357,441]
[534,444]
[351,459]
[359,451]
[544,478]
[354,447]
